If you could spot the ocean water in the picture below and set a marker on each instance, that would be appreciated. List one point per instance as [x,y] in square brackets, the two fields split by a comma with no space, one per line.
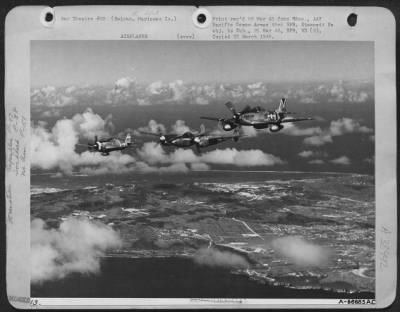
[174,277]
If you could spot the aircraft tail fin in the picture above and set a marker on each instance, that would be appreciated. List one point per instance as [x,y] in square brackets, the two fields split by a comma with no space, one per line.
[282,106]
[128,139]
[95,139]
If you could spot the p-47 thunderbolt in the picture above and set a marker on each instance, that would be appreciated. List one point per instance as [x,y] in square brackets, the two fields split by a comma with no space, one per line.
[109,145]
[257,117]
[187,139]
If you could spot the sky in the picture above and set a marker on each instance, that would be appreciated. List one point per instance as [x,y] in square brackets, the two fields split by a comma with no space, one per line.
[83,89]
[62,63]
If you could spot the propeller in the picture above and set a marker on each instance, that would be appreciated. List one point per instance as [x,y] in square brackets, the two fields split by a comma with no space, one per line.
[230,106]
[235,119]
[197,138]
[94,145]
[236,115]
[162,139]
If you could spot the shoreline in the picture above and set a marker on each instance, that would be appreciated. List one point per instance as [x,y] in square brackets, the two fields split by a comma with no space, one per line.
[187,278]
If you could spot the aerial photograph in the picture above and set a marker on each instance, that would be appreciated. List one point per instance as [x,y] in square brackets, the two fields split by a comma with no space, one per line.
[202,169]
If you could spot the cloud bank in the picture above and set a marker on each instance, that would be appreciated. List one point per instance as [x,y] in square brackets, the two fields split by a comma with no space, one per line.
[343,160]
[75,247]
[55,148]
[155,154]
[337,128]
[127,91]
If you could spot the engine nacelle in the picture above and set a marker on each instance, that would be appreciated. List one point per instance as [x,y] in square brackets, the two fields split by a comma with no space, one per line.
[275,128]
[227,126]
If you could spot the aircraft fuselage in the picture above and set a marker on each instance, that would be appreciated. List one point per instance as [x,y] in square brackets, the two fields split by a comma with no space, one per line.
[105,147]
[205,141]
[260,119]
[180,142]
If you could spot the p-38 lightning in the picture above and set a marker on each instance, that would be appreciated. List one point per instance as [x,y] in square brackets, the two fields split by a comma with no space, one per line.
[109,145]
[187,139]
[257,117]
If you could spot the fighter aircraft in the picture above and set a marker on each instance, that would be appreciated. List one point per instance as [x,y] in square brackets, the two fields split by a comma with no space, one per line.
[200,140]
[109,145]
[257,117]
[204,139]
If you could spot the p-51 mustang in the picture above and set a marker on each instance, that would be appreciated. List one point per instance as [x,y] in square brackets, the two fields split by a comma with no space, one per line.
[112,144]
[200,140]
[257,117]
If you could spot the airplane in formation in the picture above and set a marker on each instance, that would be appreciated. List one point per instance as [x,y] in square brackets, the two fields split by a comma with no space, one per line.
[187,139]
[109,145]
[257,117]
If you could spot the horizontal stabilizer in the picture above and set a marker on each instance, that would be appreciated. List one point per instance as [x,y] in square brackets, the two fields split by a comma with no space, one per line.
[290,119]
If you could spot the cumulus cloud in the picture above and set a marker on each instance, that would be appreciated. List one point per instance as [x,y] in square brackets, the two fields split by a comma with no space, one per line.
[96,164]
[242,158]
[318,140]
[124,91]
[343,160]
[75,247]
[180,127]
[199,167]
[154,153]
[200,100]
[50,112]
[215,258]
[153,127]
[347,125]
[370,160]
[128,91]
[56,97]
[124,83]
[301,252]
[306,154]
[144,167]
[47,96]
[251,131]
[55,148]
[292,129]
[160,92]
[338,127]
[341,91]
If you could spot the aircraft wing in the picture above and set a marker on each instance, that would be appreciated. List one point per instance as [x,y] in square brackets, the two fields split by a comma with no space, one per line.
[292,119]
[79,144]
[212,118]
